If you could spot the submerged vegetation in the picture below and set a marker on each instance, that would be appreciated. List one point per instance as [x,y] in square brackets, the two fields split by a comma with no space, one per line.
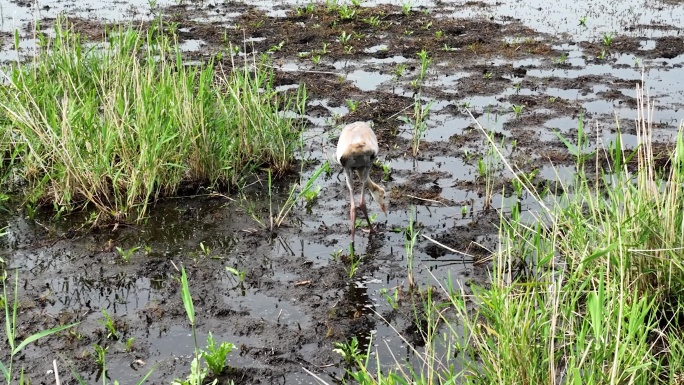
[119,124]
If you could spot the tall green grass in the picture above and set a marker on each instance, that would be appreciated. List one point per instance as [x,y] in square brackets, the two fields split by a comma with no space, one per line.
[602,296]
[118,124]
[588,291]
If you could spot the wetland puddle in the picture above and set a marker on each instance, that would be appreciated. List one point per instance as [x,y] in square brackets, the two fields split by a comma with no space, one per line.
[525,70]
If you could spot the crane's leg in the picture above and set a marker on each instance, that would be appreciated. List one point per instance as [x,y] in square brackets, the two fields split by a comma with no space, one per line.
[362,204]
[352,211]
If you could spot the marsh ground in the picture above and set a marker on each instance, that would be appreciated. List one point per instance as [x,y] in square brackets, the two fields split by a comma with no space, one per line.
[524,70]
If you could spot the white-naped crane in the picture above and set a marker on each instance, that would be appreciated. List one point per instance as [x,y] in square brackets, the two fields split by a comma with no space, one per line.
[356,151]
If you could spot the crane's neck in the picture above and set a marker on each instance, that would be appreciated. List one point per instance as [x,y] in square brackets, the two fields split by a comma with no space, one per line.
[377,192]
[373,187]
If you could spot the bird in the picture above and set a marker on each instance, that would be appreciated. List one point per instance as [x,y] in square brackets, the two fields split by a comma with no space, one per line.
[357,148]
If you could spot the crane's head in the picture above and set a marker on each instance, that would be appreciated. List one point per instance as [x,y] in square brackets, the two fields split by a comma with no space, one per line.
[378,194]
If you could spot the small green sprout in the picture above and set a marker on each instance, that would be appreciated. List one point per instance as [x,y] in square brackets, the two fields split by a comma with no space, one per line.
[562,59]
[129,344]
[608,38]
[517,109]
[344,37]
[100,354]
[406,8]
[127,254]
[108,323]
[277,47]
[346,12]
[352,104]
[215,356]
[373,21]
[399,70]
[239,274]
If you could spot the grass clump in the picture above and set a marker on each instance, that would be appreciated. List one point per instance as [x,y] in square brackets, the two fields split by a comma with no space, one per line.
[119,124]
[599,299]
[587,290]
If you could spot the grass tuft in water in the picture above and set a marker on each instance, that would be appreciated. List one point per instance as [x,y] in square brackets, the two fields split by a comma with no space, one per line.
[119,124]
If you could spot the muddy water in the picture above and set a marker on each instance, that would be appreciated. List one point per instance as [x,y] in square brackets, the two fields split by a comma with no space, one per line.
[298,297]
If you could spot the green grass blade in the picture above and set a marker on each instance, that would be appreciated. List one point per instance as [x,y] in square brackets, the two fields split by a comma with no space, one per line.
[142,380]
[5,372]
[574,150]
[41,334]
[8,321]
[187,298]
[77,376]
[600,253]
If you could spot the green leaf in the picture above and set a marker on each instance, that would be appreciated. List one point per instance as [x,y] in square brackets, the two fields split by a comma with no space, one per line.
[595,304]
[5,373]
[40,335]
[571,147]
[601,253]
[142,380]
[187,298]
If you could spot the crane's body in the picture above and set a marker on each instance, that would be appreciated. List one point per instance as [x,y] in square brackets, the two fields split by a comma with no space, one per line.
[356,151]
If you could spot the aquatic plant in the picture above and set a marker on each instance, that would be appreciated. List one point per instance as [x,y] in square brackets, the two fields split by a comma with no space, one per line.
[344,37]
[109,325]
[583,21]
[372,20]
[386,171]
[406,7]
[399,70]
[352,104]
[276,219]
[607,38]
[215,356]
[126,254]
[346,12]
[410,238]
[562,59]
[124,123]
[392,300]
[350,351]
[418,121]
[425,61]
[517,109]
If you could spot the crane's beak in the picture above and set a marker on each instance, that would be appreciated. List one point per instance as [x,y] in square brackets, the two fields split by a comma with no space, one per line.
[384,208]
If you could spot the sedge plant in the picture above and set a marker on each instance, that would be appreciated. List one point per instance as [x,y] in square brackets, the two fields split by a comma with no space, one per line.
[124,123]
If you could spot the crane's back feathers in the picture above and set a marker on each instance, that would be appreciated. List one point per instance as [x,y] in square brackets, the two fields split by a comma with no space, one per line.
[357,147]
